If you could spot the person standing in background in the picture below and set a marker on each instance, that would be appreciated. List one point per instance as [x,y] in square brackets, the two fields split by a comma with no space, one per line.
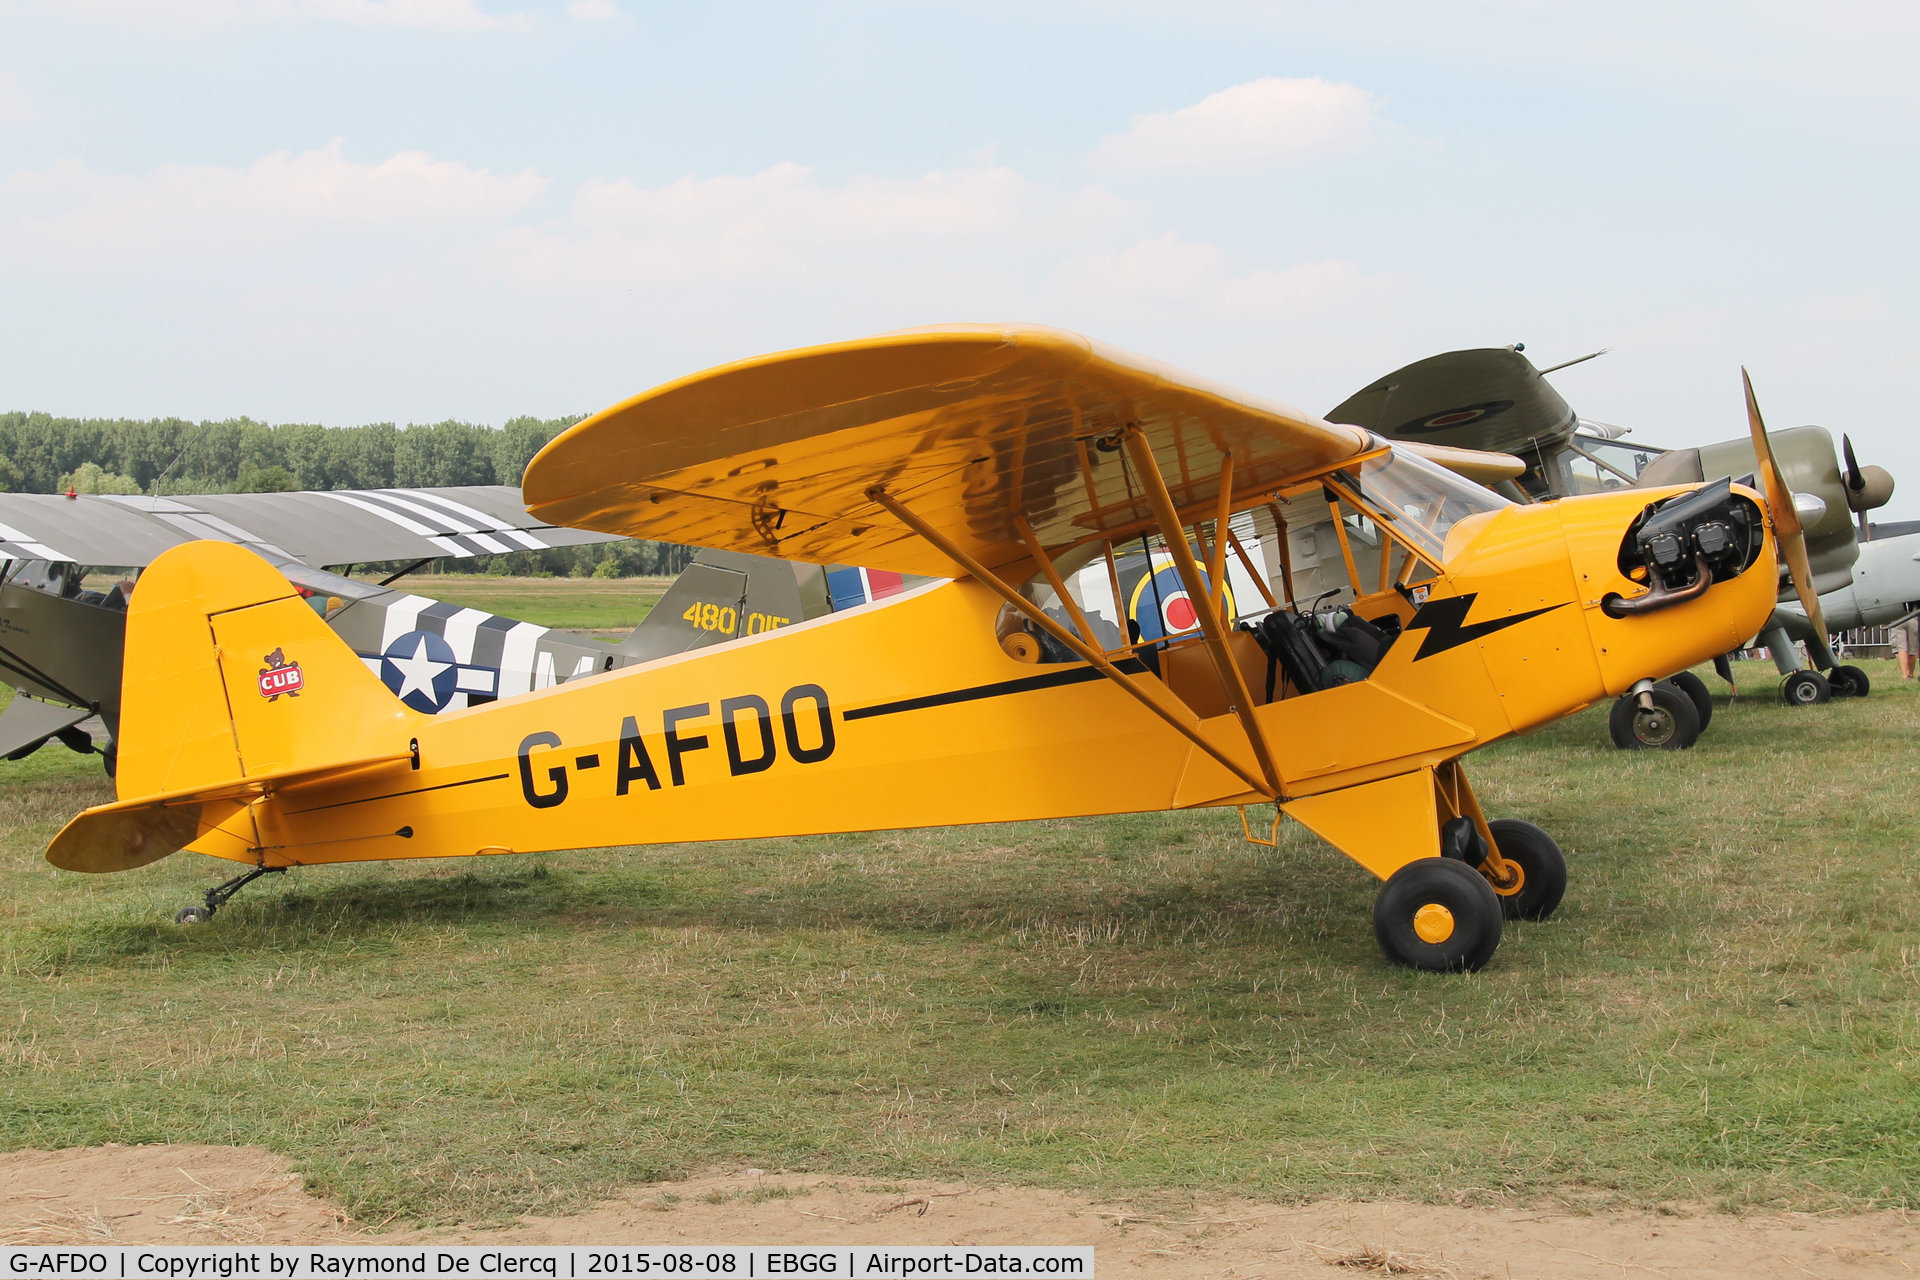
[1904,636]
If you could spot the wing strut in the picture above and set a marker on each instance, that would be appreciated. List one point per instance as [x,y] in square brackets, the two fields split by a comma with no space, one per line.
[1213,629]
[988,579]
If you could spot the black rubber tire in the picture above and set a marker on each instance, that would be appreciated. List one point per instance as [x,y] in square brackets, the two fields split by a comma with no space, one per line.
[1849,682]
[110,760]
[192,915]
[1543,869]
[1673,724]
[1695,688]
[1467,898]
[1805,689]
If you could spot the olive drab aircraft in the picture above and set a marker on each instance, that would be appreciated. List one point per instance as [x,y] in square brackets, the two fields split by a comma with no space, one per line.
[1002,463]
[68,564]
[1494,398]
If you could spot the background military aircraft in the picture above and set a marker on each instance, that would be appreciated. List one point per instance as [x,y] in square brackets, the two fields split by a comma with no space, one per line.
[70,563]
[1494,398]
[1885,586]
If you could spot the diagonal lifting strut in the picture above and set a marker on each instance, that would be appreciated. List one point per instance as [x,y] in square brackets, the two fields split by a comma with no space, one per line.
[1213,630]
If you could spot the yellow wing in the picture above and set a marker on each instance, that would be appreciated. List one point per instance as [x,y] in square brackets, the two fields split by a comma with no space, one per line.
[969,426]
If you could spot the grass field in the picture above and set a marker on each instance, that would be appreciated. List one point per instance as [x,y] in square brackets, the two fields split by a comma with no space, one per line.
[578,604]
[1726,1010]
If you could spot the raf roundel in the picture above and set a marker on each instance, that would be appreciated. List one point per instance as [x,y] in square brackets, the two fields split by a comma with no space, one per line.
[1161,606]
[1452,418]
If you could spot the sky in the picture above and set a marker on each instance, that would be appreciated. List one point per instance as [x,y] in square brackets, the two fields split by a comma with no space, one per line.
[351,211]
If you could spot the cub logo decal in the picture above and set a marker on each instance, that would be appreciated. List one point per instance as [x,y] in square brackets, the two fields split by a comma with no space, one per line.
[280,676]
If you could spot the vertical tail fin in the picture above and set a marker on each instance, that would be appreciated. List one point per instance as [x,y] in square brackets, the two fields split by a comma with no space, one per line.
[724,595]
[231,681]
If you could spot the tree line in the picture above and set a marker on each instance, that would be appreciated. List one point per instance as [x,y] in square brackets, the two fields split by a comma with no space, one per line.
[40,453]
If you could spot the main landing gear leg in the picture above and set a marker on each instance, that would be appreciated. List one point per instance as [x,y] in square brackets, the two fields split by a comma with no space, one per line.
[218,895]
[1522,863]
[1441,908]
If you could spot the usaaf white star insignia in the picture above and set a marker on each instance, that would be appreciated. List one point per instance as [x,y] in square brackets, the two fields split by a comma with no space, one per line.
[417,673]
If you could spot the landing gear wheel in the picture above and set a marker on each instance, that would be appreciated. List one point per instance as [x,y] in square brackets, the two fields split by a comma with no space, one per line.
[1543,870]
[1696,689]
[1672,724]
[110,760]
[1439,915]
[1805,689]
[192,915]
[1848,682]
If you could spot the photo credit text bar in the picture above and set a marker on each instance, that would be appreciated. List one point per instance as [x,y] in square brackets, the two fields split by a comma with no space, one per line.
[539,1262]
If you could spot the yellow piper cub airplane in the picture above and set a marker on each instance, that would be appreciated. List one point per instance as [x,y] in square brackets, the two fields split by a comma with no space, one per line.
[1007,459]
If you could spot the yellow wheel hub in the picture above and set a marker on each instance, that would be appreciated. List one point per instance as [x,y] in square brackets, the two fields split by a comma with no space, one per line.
[1433,922]
[1507,877]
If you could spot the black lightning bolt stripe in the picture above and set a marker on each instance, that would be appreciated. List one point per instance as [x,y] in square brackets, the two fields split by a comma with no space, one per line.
[1447,626]
[1077,674]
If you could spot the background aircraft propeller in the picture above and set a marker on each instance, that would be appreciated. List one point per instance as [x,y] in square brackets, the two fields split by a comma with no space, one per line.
[1868,488]
[1786,520]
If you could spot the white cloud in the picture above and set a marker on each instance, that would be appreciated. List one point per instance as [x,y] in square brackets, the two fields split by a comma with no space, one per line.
[444,15]
[283,199]
[1860,51]
[782,223]
[16,104]
[307,285]
[594,10]
[1261,124]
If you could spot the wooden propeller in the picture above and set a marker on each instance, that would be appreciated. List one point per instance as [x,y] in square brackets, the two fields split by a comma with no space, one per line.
[1786,520]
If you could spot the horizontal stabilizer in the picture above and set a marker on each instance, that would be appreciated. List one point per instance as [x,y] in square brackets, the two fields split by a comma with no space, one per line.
[121,837]
[27,721]
[131,833]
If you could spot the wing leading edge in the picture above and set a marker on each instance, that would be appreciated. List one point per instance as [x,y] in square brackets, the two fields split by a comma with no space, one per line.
[314,528]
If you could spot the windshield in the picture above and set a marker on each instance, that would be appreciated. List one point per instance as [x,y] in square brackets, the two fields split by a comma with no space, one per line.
[1625,460]
[107,586]
[1419,500]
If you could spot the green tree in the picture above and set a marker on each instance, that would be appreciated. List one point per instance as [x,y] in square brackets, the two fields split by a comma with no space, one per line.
[89,478]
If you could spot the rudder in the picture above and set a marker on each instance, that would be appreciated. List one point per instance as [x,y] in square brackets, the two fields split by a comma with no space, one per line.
[230,674]
[231,682]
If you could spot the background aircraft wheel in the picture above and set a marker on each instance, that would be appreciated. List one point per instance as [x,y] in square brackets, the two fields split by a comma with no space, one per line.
[1543,869]
[1439,915]
[1848,682]
[1696,689]
[1672,725]
[1805,689]
[110,760]
[192,915]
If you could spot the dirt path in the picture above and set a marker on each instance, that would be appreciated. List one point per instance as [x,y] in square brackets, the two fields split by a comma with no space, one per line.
[204,1195]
